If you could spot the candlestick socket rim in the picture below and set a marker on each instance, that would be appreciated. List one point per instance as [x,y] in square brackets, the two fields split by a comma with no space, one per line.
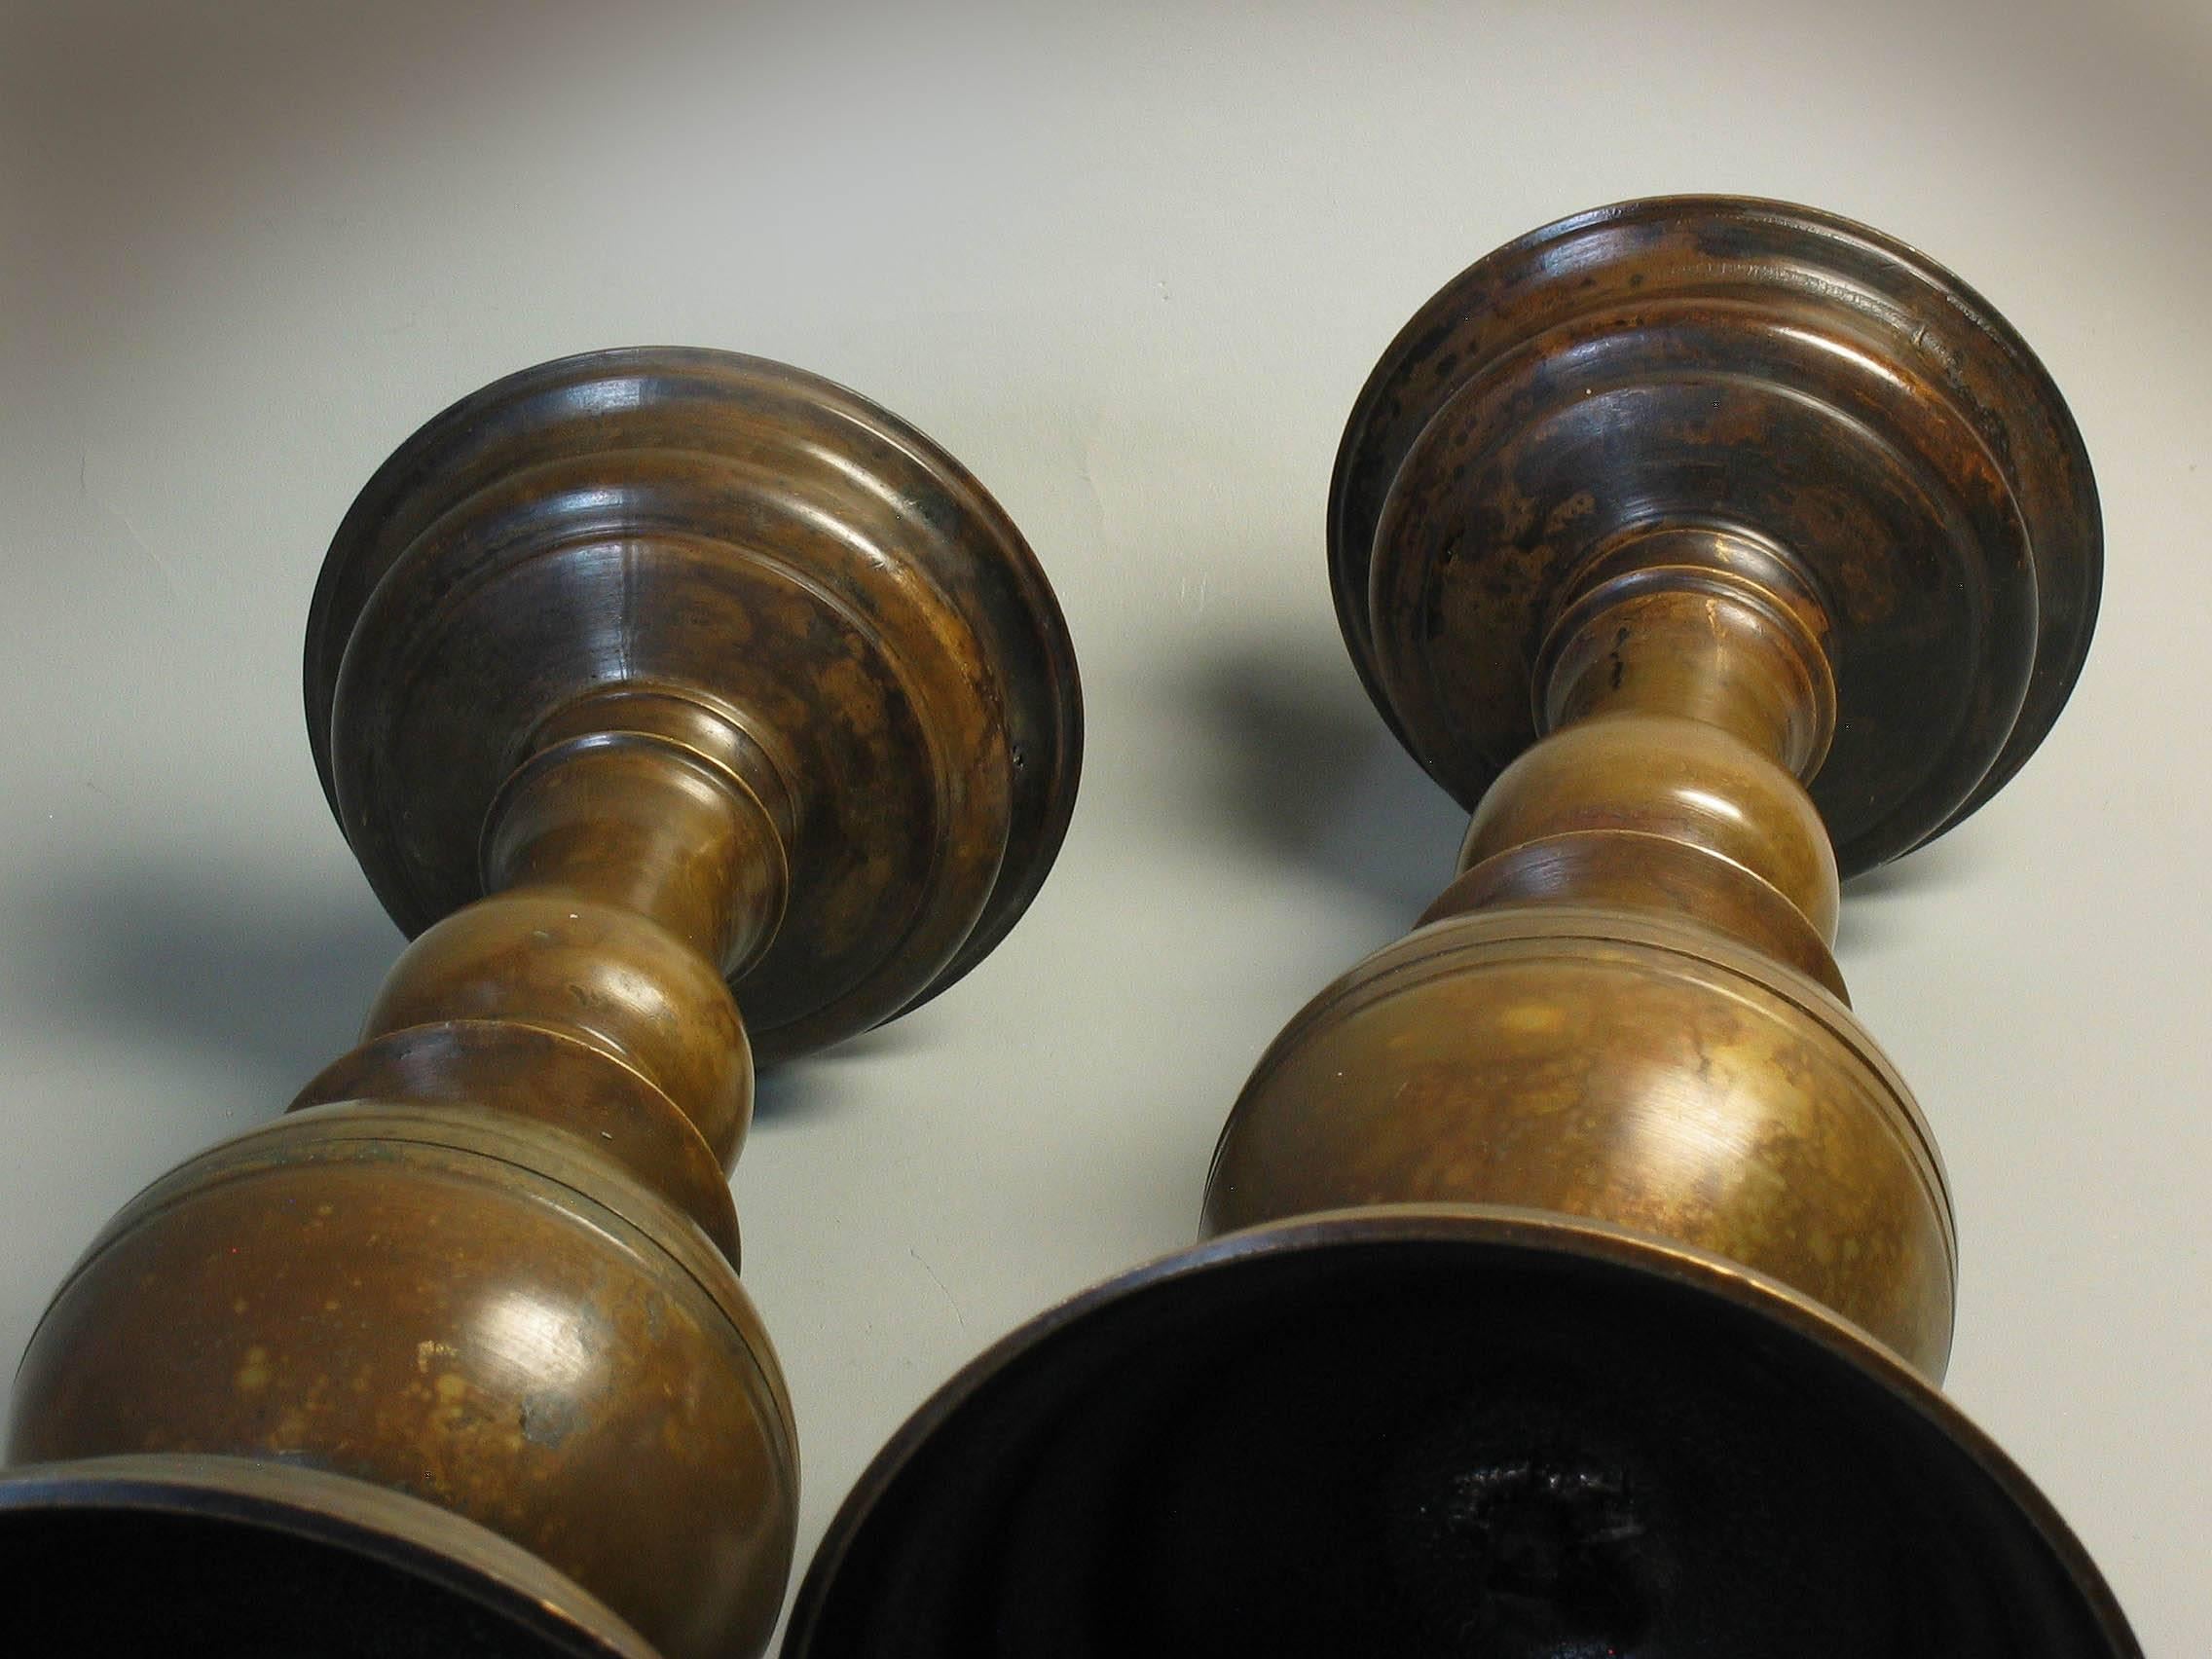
[1537,406]
[796,524]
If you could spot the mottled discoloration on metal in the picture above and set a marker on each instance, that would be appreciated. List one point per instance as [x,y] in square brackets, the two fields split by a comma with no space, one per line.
[556,1076]
[1650,522]
[1623,1008]
[1764,369]
[1646,521]
[641,683]
[464,1307]
[1662,1078]
[755,538]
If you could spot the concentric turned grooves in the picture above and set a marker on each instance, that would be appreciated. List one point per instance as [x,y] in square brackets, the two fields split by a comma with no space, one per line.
[1477,317]
[457,455]
[1479,938]
[656,1224]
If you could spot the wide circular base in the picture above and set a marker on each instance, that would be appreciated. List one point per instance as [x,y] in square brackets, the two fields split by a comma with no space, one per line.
[222,1558]
[1435,1432]
[1808,384]
[755,538]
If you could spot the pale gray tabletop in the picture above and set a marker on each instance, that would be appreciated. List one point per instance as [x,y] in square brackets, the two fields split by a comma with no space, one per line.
[1130,264]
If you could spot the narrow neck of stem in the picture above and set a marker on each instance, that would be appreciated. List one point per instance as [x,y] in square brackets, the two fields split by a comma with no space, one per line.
[637,821]
[656,802]
[1685,701]
[1697,625]
[631,869]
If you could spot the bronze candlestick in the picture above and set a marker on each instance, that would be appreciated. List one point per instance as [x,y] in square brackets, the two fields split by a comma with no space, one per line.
[1583,1272]
[646,685]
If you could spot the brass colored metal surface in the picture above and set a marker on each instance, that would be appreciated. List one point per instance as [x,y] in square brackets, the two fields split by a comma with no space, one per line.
[1650,1075]
[648,687]
[1607,1053]
[1682,535]
[466,1307]
[888,666]
[1586,1271]
[1803,383]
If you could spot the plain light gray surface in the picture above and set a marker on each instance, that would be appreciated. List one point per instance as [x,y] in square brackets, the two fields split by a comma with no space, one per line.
[1130,264]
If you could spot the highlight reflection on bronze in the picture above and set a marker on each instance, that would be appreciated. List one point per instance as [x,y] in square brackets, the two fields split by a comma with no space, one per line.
[1565,1034]
[646,685]
[1581,1270]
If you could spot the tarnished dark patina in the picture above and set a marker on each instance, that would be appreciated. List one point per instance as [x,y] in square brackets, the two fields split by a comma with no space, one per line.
[1887,451]
[1584,1271]
[646,685]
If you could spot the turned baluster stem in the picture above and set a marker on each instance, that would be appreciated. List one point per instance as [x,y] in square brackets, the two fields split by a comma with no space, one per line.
[640,822]
[1687,698]
[631,864]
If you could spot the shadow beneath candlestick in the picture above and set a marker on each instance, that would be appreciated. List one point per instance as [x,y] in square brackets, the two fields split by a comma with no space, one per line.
[217,962]
[1876,905]
[812,1084]
[229,966]
[1941,862]
[1306,773]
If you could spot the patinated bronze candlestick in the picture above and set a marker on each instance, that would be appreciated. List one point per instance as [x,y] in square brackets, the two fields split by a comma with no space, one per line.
[646,685]
[1584,1271]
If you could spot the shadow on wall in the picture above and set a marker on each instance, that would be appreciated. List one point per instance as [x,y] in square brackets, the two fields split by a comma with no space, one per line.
[274,984]
[1294,767]
[1879,907]
[813,1083]
[1306,773]
[214,961]
[153,145]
